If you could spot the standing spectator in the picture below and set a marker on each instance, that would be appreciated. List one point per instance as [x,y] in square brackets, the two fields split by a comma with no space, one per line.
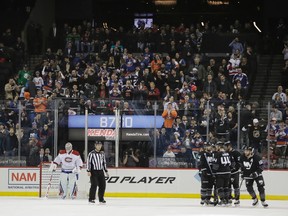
[40,102]
[276,113]
[153,93]
[169,116]
[10,143]
[236,45]
[11,90]
[96,166]
[210,86]
[280,93]
[3,134]
[38,80]
[285,51]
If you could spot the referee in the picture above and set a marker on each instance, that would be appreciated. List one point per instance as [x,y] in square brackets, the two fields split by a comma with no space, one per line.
[96,165]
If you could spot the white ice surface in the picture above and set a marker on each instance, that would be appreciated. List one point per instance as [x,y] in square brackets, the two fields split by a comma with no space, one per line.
[23,206]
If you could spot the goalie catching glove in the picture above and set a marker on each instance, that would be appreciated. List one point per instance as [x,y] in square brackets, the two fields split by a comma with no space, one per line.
[52,167]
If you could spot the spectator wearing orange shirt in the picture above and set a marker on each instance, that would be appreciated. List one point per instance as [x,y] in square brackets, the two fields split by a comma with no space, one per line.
[40,102]
[169,116]
[156,63]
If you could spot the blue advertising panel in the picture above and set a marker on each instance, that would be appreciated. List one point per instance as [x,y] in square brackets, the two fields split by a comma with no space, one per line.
[108,121]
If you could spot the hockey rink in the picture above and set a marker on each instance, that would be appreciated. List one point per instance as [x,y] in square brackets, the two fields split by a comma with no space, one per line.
[17,206]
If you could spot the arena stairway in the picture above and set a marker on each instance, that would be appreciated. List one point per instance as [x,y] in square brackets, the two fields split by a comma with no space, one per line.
[267,79]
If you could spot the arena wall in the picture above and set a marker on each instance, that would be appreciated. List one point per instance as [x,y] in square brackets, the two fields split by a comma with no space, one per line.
[168,183]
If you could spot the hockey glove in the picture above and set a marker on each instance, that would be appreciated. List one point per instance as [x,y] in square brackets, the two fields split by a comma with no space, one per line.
[52,167]
[76,170]
[254,175]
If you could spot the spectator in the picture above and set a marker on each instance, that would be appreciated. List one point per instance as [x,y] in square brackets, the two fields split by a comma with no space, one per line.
[40,102]
[276,113]
[285,51]
[47,157]
[209,85]
[3,134]
[23,76]
[236,45]
[38,80]
[255,133]
[153,92]
[169,116]
[11,90]
[280,93]
[169,153]
[183,157]
[10,144]
[131,159]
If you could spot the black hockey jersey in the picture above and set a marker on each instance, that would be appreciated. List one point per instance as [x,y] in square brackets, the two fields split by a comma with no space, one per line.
[205,163]
[222,163]
[251,165]
[236,156]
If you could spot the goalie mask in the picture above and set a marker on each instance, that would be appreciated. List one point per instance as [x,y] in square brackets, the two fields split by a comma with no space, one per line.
[68,147]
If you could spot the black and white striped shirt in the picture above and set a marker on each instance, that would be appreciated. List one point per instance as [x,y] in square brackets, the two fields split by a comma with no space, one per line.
[96,161]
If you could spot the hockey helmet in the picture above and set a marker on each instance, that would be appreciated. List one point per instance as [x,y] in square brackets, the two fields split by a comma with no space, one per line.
[249,149]
[68,147]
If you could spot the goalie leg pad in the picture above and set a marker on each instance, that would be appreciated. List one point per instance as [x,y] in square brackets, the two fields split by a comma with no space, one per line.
[72,185]
[63,184]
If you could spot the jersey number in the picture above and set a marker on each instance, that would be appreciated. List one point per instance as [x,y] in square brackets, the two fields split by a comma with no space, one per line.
[225,160]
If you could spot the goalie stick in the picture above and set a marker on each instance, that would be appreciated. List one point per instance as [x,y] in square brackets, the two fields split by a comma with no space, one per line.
[49,185]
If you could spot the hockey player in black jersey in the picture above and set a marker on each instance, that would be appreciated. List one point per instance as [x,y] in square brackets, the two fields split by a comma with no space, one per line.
[235,173]
[222,166]
[207,178]
[252,168]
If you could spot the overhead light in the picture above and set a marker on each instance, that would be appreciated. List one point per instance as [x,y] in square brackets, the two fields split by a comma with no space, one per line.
[218,2]
[165,2]
[258,29]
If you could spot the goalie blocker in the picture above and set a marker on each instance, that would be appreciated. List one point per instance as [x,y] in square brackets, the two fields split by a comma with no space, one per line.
[71,164]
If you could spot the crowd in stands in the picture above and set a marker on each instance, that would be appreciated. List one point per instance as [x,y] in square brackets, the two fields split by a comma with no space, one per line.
[102,69]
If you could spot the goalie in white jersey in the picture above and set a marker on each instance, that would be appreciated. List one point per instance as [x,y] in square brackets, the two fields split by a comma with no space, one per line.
[71,164]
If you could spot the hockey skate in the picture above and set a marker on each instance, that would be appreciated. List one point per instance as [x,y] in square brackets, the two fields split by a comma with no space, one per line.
[102,202]
[202,202]
[255,202]
[216,202]
[264,204]
[237,202]
[208,203]
[91,201]
[223,203]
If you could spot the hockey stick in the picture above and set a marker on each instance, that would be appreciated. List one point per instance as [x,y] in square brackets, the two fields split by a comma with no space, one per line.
[49,185]
[242,180]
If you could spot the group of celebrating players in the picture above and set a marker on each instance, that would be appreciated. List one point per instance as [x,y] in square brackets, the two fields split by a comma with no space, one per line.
[221,167]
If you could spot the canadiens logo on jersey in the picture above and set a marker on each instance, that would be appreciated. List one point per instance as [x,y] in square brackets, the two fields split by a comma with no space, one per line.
[68,159]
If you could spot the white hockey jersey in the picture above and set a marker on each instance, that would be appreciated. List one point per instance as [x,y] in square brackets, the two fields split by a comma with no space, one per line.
[68,161]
